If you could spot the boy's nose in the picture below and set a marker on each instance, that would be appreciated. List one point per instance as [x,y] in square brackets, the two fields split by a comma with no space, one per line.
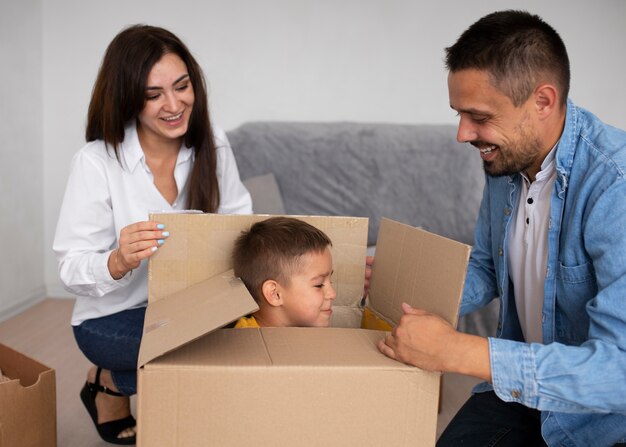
[332,293]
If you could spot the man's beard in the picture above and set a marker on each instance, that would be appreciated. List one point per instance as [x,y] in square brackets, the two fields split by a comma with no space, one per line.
[514,158]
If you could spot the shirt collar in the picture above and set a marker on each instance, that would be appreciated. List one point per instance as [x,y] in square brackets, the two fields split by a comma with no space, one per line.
[184,154]
[130,147]
[547,166]
[571,132]
[133,155]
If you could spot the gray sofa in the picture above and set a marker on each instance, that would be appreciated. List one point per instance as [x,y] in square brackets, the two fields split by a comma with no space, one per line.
[415,174]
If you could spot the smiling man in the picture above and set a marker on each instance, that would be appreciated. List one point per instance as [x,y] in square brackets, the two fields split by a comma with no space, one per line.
[550,243]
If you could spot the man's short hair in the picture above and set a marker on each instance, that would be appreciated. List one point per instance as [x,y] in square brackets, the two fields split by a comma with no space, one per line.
[518,50]
[273,249]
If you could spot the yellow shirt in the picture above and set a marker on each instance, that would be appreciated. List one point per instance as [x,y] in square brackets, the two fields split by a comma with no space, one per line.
[244,322]
[370,320]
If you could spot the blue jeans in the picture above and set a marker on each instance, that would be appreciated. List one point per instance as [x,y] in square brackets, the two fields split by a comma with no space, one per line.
[112,343]
[486,420]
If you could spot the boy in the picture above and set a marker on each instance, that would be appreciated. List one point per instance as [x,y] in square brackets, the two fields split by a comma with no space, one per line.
[287,266]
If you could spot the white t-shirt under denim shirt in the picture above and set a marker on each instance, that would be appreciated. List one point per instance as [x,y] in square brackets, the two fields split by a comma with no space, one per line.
[528,248]
[102,197]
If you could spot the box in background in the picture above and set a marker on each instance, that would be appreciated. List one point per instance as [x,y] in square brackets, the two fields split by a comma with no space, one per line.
[288,386]
[27,402]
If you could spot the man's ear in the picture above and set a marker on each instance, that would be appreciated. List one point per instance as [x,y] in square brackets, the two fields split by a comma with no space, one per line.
[546,100]
[271,293]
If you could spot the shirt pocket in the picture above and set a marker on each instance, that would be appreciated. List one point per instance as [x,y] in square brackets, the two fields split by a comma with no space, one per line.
[575,287]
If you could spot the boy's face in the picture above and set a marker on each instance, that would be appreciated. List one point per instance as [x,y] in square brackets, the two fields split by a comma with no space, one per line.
[307,301]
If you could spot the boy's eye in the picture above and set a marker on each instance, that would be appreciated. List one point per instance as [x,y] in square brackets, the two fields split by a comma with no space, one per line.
[319,286]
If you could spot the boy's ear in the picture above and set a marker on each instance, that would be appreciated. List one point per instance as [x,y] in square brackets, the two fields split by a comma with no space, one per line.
[271,293]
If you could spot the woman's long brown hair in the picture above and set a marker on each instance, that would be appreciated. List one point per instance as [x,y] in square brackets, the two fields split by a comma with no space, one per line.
[119,95]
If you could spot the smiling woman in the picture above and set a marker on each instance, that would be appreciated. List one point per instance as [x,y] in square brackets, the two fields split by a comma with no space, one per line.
[163,122]
[169,101]
[149,108]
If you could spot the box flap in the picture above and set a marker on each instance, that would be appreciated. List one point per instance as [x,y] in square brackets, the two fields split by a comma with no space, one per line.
[321,386]
[193,312]
[296,347]
[28,414]
[327,348]
[16,365]
[200,246]
[420,268]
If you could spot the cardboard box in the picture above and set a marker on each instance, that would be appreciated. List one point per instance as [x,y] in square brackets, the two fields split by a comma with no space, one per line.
[27,402]
[288,386]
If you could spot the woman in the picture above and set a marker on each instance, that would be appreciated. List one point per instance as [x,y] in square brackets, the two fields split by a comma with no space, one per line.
[150,147]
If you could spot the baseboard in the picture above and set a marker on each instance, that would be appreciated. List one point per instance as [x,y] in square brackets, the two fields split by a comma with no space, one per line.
[23,303]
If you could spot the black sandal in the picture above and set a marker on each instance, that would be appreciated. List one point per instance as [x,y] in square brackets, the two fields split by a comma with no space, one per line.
[108,431]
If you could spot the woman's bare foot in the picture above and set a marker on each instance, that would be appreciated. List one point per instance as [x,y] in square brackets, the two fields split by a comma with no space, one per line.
[111,408]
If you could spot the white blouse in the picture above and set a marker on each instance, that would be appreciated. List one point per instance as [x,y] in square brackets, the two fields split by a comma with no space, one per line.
[102,197]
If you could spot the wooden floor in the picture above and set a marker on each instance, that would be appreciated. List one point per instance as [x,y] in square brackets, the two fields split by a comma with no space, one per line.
[43,332]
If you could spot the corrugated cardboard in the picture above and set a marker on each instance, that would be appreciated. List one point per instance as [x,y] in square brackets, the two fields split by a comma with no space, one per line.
[291,386]
[193,312]
[27,402]
[419,268]
[200,245]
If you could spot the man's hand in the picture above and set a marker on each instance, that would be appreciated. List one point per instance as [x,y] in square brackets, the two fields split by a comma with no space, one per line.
[429,342]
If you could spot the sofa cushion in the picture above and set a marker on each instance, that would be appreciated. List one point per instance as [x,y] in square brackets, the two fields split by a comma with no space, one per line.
[265,194]
[416,174]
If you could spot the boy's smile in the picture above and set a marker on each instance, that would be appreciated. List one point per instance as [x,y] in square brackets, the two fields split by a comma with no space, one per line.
[307,299]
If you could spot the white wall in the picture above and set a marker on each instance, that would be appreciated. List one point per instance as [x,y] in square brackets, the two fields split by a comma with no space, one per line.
[313,60]
[21,166]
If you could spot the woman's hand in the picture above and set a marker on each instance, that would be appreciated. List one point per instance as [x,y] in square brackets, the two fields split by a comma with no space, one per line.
[138,241]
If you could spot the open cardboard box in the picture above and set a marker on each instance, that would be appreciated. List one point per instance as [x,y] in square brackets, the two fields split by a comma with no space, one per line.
[27,401]
[288,386]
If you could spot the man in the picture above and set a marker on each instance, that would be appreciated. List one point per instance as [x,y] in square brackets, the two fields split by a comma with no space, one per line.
[550,242]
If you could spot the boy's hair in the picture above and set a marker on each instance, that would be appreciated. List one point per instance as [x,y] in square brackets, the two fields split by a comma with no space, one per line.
[273,249]
[517,49]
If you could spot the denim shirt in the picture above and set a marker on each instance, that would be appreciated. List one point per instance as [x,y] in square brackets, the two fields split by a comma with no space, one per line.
[577,376]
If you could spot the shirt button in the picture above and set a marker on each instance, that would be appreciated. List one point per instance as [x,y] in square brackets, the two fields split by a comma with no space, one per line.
[530,200]
[507,211]
[516,394]
[500,251]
